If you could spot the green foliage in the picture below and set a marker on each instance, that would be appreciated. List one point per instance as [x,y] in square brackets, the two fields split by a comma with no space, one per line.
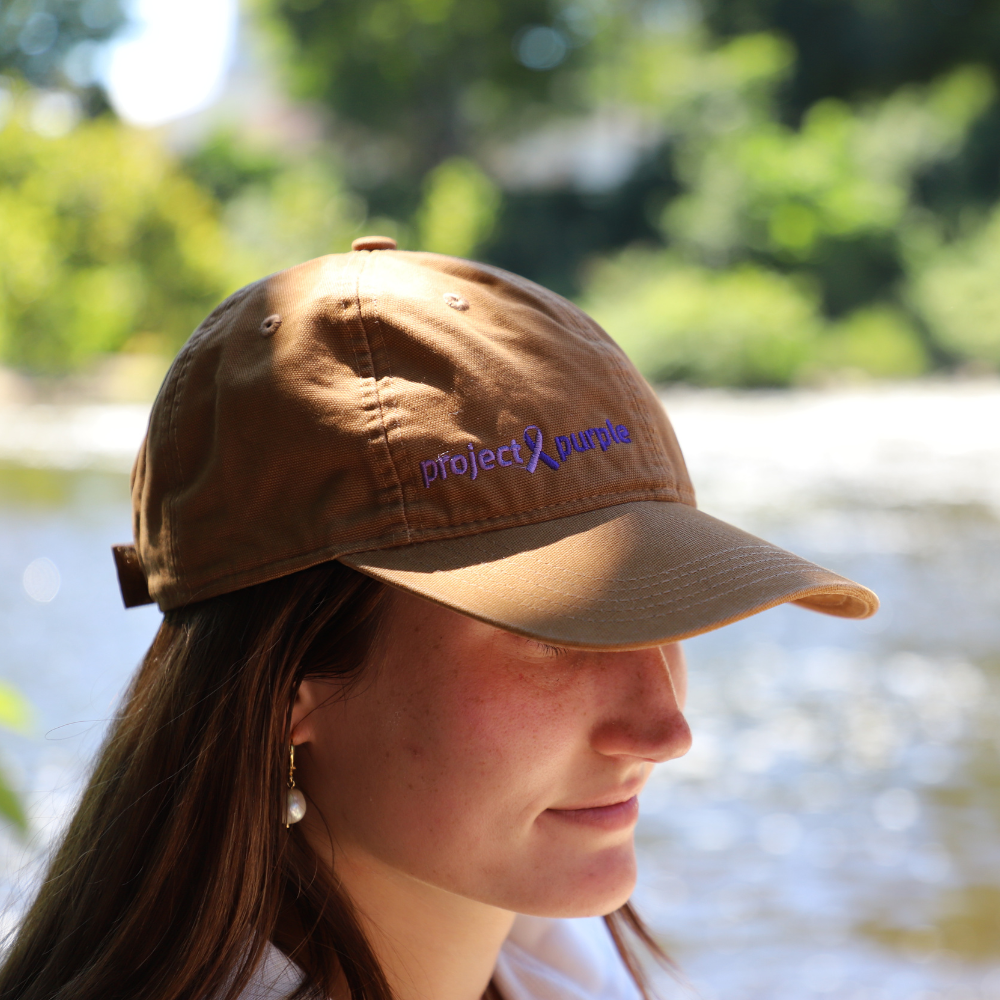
[802,147]
[11,808]
[766,186]
[756,185]
[762,201]
[879,341]
[745,326]
[428,74]
[101,237]
[458,210]
[741,326]
[700,87]
[776,225]
[303,210]
[956,289]
[226,166]
[15,714]
[852,48]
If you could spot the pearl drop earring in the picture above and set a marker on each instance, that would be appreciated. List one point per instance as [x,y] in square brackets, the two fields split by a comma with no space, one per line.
[295,801]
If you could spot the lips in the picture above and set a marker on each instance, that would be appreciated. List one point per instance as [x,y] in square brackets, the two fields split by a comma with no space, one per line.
[613,816]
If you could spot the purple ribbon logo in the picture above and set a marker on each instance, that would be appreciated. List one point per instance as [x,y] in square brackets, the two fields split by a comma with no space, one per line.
[536,451]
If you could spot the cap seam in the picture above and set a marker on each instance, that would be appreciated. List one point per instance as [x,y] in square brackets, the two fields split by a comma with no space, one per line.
[365,368]
[389,401]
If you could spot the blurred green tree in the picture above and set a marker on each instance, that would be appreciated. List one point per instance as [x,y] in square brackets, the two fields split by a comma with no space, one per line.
[428,77]
[704,151]
[818,199]
[415,82]
[299,211]
[765,209]
[681,322]
[102,238]
[458,210]
[954,286]
[853,49]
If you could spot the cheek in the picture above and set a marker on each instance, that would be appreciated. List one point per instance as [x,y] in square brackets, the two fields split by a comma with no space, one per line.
[461,759]
[482,744]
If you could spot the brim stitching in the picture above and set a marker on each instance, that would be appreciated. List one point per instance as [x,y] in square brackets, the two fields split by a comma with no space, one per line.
[762,556]
[662,607]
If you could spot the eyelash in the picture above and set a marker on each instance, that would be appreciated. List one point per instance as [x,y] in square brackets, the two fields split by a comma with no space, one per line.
[550,650]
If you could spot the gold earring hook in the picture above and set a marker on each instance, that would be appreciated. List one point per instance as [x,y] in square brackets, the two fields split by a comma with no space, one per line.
[291,776]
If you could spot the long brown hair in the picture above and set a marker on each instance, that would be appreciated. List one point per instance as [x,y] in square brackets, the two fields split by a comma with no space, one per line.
[176,871]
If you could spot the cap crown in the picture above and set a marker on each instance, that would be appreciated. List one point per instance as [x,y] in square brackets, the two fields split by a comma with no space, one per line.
[380,398]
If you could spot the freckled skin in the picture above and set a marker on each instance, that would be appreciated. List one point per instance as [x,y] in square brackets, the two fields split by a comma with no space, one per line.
[454,760]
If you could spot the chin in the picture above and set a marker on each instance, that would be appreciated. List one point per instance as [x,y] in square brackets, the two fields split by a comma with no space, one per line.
[589,890]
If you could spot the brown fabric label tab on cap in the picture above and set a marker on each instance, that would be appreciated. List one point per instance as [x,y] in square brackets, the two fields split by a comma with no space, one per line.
[131,578]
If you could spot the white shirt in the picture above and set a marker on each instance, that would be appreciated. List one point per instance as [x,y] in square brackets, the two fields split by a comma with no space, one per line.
[542,959]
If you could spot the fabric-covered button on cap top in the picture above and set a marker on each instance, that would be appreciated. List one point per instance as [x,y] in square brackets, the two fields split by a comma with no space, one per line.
[374,243]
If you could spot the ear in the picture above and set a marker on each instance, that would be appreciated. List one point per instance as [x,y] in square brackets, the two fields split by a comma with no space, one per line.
[310,696]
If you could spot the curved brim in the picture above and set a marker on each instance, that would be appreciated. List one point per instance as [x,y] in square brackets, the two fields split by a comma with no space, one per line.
[623,577]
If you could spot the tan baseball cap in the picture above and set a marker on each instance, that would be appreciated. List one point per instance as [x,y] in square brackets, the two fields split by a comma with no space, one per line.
[453,430]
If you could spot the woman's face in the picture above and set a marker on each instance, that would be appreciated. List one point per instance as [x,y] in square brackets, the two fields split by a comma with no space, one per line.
[490,765]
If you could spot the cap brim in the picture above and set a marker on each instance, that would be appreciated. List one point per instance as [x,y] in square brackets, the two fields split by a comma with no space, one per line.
[623,577]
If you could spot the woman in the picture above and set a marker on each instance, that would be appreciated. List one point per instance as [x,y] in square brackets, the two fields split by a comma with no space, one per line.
[425,546]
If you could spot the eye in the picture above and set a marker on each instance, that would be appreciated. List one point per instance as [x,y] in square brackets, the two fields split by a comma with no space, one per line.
[535,649]
[546,649]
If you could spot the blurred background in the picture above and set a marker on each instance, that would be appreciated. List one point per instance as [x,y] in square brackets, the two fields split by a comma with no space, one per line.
[786,211]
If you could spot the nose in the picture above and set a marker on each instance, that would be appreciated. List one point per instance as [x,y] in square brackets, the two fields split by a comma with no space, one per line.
[643,712]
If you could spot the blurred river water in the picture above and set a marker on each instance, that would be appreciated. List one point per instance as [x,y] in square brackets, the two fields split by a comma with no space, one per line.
[835,832]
